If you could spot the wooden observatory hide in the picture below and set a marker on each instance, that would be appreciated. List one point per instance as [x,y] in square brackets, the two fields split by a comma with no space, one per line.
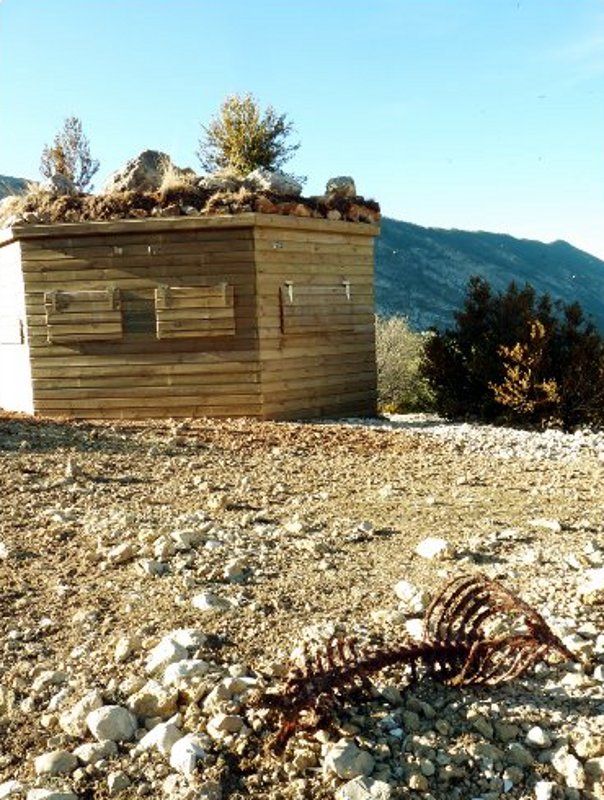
[246,315]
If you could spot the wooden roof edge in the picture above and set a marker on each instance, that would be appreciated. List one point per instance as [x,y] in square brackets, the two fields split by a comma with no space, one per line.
[163,224]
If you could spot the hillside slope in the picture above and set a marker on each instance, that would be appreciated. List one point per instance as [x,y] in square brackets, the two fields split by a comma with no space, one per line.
[423,272]
[10,185]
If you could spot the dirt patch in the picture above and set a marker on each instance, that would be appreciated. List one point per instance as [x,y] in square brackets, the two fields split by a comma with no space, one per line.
[324,520]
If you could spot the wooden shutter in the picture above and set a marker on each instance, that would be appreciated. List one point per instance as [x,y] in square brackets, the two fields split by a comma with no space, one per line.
[195,311]
[89,316]
[316,309]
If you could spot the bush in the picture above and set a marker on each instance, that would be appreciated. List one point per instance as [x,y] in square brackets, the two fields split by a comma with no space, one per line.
[519,358]
[70,156]
[399,354]
[242,138]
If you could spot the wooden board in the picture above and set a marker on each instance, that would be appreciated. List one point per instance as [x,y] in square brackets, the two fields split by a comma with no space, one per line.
[84,316]
[195,311]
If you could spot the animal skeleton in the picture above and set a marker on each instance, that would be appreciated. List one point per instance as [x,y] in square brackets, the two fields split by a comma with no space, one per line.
[475,632]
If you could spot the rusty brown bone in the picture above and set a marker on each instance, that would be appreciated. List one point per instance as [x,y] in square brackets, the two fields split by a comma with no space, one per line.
[475,632]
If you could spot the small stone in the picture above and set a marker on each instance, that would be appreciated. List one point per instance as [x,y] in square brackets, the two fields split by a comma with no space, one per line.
[518,754]
[121,554]
[537,737]
[236,570]
[168,651]
[49,678]
[415,628]
[348,761]
[552,525]
[590,745]
[163,737]
[594,768]
[150,566]
[124,648]
[418,782]
[117,782]
[91,752]
[434,548]
[207,601]
[153,700]
[571,769]
[222,724]
[427,767]
[591,591]
[266,180]
[544,790]
[57,762]
[112,722]
[182,672]
[505,731]
[363,788]
[73,721]
[10,788]
[185,754]
[412,599]
[411,721]
[482,725]
[50,794]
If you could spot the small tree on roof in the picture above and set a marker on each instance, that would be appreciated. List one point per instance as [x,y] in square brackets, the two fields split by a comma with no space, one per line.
[70,156]
[242,138]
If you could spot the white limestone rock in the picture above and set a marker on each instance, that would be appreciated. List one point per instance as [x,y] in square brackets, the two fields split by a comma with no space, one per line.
[434,548]
[11,788]
[347,760]
[538,737]
[154,700]
[221,725]
[143,173]
[56,762]
[117,782]
[73,720]
[183,672]
[341,186]
[185,754]
[412,599]
[115,723]
[591,589]
[162,737]
[364,788]
[91,752]
[266,180]
[168,651]
[569,766]
[121,553]
[208,601]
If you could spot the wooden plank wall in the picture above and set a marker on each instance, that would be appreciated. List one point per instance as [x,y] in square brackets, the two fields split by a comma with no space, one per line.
[15,373]
[139,375]
[317,352]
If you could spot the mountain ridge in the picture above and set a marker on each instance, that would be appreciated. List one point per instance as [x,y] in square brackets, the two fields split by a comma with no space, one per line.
[422,273]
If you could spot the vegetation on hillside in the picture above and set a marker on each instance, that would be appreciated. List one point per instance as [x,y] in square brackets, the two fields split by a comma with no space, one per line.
[242,137]
[69,155]
[517,357]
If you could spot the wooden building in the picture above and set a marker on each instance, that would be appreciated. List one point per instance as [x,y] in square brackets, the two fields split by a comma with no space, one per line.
[247,315]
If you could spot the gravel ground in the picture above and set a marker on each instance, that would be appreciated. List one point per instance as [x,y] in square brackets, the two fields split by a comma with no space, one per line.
[168,570]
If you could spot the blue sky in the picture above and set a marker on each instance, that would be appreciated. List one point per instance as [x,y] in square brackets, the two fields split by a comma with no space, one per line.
[474,114]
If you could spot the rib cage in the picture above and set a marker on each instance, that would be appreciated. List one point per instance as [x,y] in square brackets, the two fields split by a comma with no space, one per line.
[475,632]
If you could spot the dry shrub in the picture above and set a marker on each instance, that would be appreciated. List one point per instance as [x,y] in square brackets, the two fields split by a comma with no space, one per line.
[399,354]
